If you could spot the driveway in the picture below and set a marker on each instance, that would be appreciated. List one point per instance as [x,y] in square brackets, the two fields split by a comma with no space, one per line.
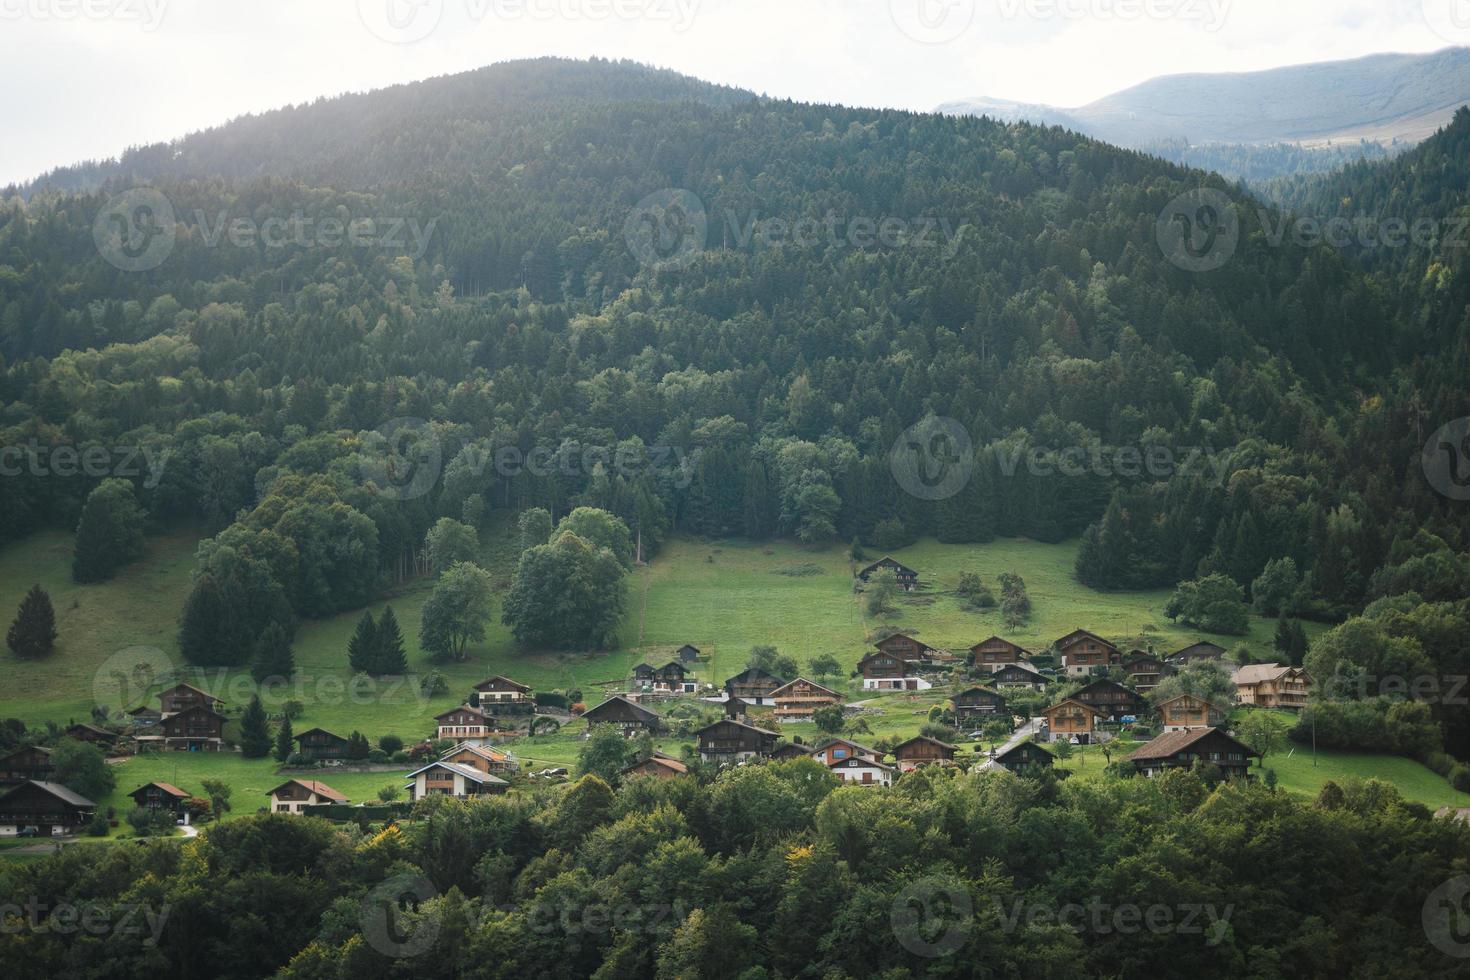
[1024,732]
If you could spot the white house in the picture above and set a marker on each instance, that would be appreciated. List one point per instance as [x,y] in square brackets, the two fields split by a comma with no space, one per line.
[294,794]
[452,779]
[863,771]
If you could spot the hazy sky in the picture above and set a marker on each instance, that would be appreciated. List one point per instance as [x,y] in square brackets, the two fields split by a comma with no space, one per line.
[87,78]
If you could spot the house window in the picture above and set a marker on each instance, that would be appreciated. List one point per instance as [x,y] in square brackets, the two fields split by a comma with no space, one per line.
[839,753]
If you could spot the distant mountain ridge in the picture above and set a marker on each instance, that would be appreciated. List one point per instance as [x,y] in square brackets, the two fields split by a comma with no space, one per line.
[1384,98]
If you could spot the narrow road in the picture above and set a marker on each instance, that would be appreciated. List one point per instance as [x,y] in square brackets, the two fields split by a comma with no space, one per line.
[1024,732]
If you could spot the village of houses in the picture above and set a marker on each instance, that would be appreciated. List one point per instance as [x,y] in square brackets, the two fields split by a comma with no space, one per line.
[756,705]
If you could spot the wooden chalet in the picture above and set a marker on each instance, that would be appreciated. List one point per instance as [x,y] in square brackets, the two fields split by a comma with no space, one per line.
[1019,675]
[908,579]
[30,763]
[318,743]
[144,718]
[736,709]
[923,751]
[800,699]
[624,715]
[906,647]
[671,678]
[754,686]
[501,696]
[977,704]
[1145,671]
[181,697]
[882,672]
[51,808]
[863,772]
[1186,749]
[160,796]
[92,735]
[198,728]
[1197,653]
[688,654]
[294,795]
[466,723]
[790,750]
[1187,712]
[735,741]
[1114,701]
[1074,721]
[658,765]
[1085,653]
[995,653]
[481,757]
[1026,757]
[1272,686]
[837,750]
[442,778]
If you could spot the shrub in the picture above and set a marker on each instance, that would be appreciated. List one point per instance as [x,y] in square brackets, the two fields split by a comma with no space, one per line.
[390,744]
[1460,778]
[98,827]
[378,756]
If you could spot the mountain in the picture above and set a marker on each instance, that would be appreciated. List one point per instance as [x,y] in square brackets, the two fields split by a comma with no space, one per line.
[1387,99]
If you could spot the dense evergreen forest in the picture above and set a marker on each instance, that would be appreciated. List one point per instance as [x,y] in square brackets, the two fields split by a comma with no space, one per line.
[764,382]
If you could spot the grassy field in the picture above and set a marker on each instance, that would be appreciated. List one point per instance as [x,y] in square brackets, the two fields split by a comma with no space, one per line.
[724,597]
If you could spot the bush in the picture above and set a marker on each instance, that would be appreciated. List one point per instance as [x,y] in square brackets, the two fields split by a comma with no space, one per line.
[433,683]
[390,744]
[1460,778]
[98,827]
[377,756]
[552,699]
[891,535]
[401,756]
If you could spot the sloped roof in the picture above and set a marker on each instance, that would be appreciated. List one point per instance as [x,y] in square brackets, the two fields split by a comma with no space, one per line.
[168,788]
[658,759]
[618,701]
[1171,744]
[468,772]
[802,680]
[55,789]
[1259,673]
[319,788]
[926,738]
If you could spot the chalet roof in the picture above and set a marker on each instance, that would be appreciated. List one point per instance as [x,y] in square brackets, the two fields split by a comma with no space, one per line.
[1261,673]
[93,729]
[317,731]
[1204,648]
[1021,748]
[979,689]
[1072,701]
[144,709]
[312,785]
[1138,656]
[925,738]
[687,646]
[478,750]
[847,742]
[503,680]
[62,793]
[658,759]
[1080,634]
[791,749]
[739,724]
[1181,697]
[1000,639]
[24,748]
[752,675]
[182,686]
[802,680]
[468,772]
[1104,684]
[168,788]
[462,708]
[1027,668]
[887,562]
[194,709]
[618,702]
[1170,744]
[854,762]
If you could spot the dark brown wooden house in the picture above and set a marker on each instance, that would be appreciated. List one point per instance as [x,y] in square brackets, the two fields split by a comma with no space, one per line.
[318,743]
[688,653]
[623,714]
[194,729]
[1203,651]
[657,765]
[922,751]
[1145,671]
[26,764]
[908,579]
[466,723]
[995,653]
[181,697]
[1113,701]
[160,796]
[1201,746]
[977,703]
[501,697]
[735,741]
[799,700]
[1019,675]
[790,750]
[92,735]
[51,808]
[754,686]
[1085,653]
[906,647]
[670,677]
[1026,757]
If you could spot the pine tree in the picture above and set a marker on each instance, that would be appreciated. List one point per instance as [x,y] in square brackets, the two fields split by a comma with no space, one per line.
[1282,641]
[389,657]
[33,634]
[204,622]
[273,656]
[255,731]
[760,513]
[110,533]
[285,741]
[363,647]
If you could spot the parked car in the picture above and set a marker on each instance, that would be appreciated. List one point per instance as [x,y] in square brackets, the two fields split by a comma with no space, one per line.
[29,832]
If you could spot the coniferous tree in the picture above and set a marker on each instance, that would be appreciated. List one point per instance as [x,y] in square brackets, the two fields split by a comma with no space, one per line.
[273,655]
[760,509]
[389,657]
[110,533]
[255,731]
[204,626]
[362,649]
[285,740]
[33,634]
